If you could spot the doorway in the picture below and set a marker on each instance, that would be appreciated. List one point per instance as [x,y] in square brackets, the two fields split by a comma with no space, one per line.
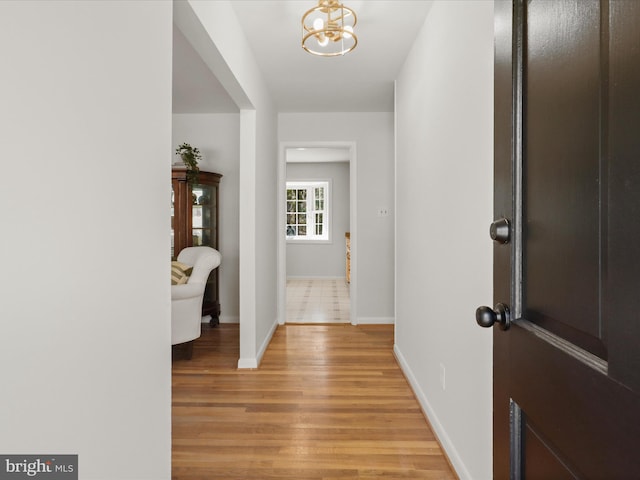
[313,265]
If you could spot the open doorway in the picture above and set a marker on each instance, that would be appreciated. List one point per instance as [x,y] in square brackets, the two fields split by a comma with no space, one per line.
[316,274]
[317,226]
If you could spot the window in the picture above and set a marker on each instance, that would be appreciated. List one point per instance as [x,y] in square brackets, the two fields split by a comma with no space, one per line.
[308,211]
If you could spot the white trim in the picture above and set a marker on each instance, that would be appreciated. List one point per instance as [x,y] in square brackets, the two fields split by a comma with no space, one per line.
[429,412]
[281,273]
[247,363]
[315,277]
[395,202]
[281,243]
[353,227]
[267,340]
[255,362]
[300,241]
[375,321]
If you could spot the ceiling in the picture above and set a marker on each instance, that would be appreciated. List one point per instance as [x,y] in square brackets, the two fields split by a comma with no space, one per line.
[360,81]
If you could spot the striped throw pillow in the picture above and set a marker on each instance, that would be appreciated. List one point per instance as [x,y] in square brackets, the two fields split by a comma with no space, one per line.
[180,273]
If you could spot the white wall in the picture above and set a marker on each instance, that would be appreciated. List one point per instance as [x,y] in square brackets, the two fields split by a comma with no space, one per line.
[326,259]
[265,232]
[217,136]
[444,167]
[373,245]
[85,298]
[213,30]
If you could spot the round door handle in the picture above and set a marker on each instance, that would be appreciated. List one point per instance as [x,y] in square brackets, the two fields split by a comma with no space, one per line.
[487,317]
[500,231]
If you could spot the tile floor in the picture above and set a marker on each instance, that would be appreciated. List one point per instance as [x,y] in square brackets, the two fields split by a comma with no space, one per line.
[318,301]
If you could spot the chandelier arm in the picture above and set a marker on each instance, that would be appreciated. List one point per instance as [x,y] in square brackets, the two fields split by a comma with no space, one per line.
[344,15]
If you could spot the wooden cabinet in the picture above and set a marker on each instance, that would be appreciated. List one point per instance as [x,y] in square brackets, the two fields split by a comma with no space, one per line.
[194,222]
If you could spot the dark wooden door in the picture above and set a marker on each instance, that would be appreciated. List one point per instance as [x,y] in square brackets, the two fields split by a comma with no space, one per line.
[567,181]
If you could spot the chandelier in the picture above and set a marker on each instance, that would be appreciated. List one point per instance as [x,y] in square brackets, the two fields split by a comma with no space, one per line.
[327,30]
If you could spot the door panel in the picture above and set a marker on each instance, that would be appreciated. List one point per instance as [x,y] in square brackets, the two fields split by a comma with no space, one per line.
[562,169]
[567,177]
[551,464]
[623,245]
[590,422]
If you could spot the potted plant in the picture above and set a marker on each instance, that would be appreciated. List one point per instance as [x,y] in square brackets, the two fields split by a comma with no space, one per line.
[190,156]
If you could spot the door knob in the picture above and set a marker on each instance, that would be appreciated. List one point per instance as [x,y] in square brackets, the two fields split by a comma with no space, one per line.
[499,231]
[486,317]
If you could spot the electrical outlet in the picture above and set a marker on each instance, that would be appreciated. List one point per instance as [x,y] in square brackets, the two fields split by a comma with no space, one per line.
[442,377]
[383,212]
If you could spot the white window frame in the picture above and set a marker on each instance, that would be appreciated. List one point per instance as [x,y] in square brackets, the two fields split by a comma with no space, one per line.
[310,186]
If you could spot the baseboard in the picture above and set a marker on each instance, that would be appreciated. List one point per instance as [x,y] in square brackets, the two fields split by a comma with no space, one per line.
[375,321]
[247,363]
[267,340]
[255,362]
[222,319]
[445,442]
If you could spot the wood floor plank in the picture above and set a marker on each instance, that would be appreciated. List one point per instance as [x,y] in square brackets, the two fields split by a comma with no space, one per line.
[328,402]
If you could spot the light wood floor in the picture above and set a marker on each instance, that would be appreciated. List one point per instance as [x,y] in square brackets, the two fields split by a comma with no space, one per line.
[328,402]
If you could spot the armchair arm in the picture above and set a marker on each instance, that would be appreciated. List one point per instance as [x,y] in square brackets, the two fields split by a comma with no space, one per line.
[186,290]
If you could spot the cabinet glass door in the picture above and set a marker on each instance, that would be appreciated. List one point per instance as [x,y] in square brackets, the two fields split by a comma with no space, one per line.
[203,230]
[203,211]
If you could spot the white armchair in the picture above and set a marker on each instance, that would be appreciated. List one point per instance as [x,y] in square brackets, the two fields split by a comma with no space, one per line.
[186,299]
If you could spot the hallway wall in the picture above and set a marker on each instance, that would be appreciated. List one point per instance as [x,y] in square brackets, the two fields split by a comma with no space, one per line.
[444,185]
[372,246]
[85,301]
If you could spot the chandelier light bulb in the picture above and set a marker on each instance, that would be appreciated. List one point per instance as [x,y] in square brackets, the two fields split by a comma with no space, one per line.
[318,24]
[348,30]
[323,41]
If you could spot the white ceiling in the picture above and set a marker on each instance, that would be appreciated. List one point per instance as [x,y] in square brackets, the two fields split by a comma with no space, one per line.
[360,81]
